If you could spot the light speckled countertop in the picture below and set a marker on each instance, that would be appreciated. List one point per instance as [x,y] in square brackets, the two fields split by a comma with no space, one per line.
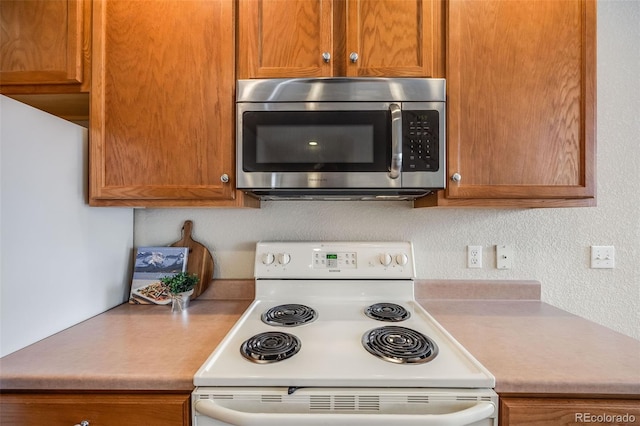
[130,347]
[531,347]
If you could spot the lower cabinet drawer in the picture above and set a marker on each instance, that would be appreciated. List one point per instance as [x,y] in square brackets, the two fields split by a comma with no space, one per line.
[568,411]
[70,409]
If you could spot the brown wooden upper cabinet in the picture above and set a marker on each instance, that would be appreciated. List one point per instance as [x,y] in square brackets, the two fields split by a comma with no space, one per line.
[45,56]
[44,46]
[162,103]
[521,87]
[322,38]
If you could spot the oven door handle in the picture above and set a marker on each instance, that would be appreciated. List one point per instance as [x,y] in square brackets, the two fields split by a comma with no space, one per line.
[396,141]
[481,411]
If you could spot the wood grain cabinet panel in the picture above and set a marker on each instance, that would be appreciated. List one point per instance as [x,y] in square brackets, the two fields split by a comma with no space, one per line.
[395,38]
[162,103]
[68,409]
[45,58]
[279,38]
[317,38]
[44,46]
[521,102]
[568,411]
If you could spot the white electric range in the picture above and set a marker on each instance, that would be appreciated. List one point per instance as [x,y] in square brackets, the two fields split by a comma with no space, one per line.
[335,336]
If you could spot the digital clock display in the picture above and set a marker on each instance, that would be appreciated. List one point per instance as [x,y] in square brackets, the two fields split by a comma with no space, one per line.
[335,260]
[332,260]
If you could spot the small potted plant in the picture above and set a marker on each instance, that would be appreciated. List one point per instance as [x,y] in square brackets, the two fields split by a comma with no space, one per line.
[180,288]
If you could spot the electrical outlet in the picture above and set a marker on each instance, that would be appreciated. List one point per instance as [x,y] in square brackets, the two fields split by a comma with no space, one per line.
[504,256]
[603,257]
[474,256]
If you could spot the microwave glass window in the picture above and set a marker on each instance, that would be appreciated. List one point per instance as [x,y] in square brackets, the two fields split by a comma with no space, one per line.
[316,141]
[314,144]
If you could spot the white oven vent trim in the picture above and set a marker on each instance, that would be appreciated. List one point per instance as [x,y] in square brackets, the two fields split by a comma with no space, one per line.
[397,402]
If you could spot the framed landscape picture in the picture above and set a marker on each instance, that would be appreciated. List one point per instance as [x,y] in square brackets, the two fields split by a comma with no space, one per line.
[152,264]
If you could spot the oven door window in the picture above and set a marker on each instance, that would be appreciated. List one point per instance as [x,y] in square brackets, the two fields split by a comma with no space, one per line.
[316,141]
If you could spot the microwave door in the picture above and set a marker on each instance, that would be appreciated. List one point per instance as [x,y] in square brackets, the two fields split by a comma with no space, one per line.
[319,145]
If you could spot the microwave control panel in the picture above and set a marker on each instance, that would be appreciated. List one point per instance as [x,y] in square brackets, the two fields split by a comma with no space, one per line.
[420,146]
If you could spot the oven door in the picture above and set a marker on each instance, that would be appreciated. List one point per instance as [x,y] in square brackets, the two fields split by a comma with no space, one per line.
[318,145]
[344,406]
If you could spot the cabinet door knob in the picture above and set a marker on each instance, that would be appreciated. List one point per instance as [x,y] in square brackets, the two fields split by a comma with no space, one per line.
[326,57]
[224,178]
[456,177]
[353,57]
[83,423]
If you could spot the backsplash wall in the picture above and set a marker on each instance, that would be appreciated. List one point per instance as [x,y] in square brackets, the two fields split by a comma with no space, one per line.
[550,245]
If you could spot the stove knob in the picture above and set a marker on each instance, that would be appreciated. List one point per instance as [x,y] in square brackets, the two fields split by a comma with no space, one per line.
[284,258]
[385,259]
[402,259]
[268,258]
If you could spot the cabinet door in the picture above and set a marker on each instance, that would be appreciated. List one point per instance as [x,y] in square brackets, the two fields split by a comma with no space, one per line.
[97,409]
[44,46]
[567,411]
[394,38]
[521,99]
[285,38]
[162,103]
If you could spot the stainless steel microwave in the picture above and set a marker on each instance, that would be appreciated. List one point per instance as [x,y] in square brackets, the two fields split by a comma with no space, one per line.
[340,138]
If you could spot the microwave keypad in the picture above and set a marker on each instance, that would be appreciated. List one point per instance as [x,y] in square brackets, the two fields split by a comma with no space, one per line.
[420,141]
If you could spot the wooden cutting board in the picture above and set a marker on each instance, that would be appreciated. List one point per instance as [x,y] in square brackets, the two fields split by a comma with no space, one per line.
[199,261]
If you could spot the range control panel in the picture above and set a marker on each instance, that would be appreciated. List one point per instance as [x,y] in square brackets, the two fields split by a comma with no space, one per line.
[334,260]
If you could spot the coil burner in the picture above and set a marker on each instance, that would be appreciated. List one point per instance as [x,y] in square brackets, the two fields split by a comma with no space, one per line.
[389,312]
[400,345]
[289,315]
[272,346]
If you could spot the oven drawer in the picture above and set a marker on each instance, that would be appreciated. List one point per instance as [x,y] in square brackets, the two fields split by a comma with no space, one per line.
[344,406]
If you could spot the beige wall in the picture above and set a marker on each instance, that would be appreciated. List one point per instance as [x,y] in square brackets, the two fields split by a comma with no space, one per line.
[550,245]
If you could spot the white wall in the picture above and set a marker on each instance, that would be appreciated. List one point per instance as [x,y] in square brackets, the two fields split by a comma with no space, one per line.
[551,245]
[62,261]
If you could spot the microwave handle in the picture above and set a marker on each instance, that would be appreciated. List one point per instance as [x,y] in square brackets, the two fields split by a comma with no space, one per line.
[396,141]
